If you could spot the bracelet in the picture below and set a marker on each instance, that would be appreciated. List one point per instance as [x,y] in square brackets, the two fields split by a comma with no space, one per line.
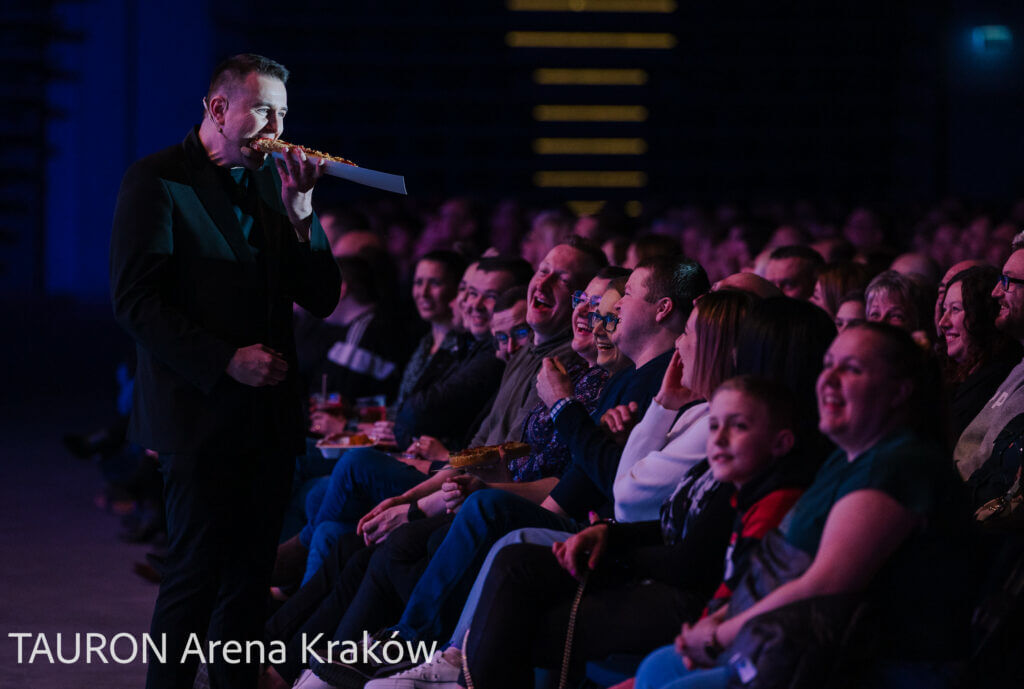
[415,513]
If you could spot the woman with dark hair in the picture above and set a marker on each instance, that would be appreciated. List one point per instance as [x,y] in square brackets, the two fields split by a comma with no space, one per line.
[884,514]
[835,281]
[778,340]
[976,356]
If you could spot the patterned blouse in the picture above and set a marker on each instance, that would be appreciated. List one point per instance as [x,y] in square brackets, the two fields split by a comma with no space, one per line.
[550,456]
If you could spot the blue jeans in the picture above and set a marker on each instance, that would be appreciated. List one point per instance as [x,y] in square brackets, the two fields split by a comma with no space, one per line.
[664,669]
[534,536]
[484,517]
[360,480]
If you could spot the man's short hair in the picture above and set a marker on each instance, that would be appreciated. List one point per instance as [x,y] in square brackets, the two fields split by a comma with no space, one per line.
[594,260]
[519,268]
[776,398]
[509,298]
[647,245]
[452,263]
[237,67]
[680,279]
[1018,242]
[616,276]
[799,251]
[358,276]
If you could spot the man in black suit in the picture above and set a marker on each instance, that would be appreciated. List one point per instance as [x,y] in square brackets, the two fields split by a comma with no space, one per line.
[210,249]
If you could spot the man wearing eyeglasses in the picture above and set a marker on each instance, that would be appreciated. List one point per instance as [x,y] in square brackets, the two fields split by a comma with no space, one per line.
[978,439]
[509,328]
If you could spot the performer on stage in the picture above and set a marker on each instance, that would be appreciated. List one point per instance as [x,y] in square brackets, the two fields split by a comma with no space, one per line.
[211,246]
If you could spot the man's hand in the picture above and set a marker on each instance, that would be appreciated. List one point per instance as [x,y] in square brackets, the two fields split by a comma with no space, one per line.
[376,529]
[384,432]
[325,423]
[456,489]
[384,505]
[694,640]
[672,394]
[621,419]
[257,365]
[553,381]
[582,551]
[429,448]
[298,175]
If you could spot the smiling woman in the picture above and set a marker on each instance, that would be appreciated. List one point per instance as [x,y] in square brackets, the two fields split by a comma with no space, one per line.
[976,356]
[883,514]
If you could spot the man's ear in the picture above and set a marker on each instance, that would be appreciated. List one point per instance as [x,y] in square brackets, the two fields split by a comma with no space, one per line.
[903,392]
[783,442]
[343,290]
[665,310]
[217,107]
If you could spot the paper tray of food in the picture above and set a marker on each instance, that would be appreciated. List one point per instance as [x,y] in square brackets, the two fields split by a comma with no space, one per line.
[333,445]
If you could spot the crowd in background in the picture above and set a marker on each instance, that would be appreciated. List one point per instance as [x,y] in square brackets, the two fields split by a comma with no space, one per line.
[703,394]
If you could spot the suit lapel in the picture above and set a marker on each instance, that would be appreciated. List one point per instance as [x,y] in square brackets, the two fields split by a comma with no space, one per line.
[208,182]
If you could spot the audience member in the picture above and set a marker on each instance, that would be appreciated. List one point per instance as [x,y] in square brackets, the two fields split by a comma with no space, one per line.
[354,349]
[976,442]
[852,310]
[509,328]
[794,270]
[897,300]
[835,281]
[977,356]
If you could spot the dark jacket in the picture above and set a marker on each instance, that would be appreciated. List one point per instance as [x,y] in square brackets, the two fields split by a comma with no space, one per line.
[191,290]
[587,485]
[447,399]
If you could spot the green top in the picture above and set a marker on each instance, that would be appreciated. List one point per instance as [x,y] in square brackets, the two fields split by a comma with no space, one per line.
[921,588]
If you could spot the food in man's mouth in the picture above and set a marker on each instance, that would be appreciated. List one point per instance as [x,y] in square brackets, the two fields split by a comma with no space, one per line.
[279,146]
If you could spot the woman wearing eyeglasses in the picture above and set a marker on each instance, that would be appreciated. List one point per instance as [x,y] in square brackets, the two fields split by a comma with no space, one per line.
[550,455]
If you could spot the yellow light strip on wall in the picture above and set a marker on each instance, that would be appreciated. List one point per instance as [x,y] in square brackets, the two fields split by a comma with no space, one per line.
[550,146]
[590,113]
[659,6]
[590,178]
[590,77]
[581,208]
[589,39]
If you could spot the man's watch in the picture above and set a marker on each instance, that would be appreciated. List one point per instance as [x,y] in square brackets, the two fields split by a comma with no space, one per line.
[415,512]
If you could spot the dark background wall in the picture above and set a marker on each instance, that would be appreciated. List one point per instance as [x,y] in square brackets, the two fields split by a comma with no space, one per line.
[876,101]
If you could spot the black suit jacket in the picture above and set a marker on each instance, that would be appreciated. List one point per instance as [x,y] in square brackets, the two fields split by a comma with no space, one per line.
[190,290]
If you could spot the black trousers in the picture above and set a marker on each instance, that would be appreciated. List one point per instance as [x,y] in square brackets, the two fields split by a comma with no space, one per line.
[523,614]
[357,589]
[223,520]
[391,576]
[317,606]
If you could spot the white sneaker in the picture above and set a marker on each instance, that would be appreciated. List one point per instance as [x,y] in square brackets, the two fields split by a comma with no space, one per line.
[307,680]
[436,673]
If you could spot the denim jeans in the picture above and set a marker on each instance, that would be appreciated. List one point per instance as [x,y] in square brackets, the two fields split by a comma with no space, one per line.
[484,517]
[664,669]
[360,480]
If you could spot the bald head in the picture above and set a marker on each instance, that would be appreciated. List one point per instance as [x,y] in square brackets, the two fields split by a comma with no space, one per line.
[748,282]
[917,264]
